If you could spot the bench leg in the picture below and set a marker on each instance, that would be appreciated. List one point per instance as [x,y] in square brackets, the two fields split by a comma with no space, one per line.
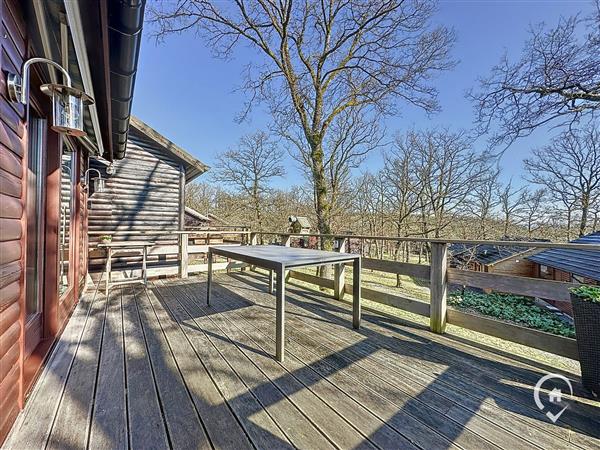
[108,268]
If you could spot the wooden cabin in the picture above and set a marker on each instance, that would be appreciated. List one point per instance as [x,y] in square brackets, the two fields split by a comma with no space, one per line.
[579,266]
[43,200]
[144,197]
[509,259]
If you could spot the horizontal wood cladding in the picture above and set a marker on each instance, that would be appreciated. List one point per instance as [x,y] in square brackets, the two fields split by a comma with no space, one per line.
[12,150]
[143,195]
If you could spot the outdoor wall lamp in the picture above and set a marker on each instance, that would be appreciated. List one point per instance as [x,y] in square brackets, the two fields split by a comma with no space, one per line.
[99,183]
[67,102]
[110,169]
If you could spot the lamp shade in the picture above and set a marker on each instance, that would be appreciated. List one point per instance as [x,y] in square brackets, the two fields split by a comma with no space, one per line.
[99,185]
[67,108]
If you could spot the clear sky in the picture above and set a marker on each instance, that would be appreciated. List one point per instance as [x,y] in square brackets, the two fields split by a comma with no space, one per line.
[191,98]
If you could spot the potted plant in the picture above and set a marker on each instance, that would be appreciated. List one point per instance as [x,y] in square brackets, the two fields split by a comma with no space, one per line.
[105,239]
[586,311]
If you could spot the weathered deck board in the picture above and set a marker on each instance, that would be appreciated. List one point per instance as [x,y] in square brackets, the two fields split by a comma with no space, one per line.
[79,389]
[109,414]
[157,368]
[146,424]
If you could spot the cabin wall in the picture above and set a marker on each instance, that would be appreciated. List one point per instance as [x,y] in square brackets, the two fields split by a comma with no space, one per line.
[517,266]
[12,238]
[143,197]
[25,342]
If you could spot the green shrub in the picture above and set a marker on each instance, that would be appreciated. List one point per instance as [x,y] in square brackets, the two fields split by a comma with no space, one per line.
[513,308]
[588,293]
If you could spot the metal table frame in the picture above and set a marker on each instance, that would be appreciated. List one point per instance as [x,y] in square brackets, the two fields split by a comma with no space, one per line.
[114,247]
[279,269]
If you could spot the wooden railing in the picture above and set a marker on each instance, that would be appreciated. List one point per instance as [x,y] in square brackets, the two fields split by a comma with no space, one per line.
[436,272]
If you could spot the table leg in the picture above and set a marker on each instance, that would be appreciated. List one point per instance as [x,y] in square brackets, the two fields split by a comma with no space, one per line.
[144,268]
[108,268]
[209,282]
[271,282]
[356,293]
[280,315]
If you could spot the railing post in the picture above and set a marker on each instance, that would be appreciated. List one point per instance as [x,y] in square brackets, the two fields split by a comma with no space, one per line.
[439,287]
[339,276]
[183,255]
[286,240]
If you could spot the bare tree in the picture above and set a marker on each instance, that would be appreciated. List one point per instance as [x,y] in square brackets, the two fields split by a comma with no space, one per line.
[450,171]
[533,210]
[201,196]
[556,81]
[486,199]
[569,169]
[511,205]
[325,65]
[249,169]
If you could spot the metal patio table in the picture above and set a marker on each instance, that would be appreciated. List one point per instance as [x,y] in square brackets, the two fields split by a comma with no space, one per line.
[278,259]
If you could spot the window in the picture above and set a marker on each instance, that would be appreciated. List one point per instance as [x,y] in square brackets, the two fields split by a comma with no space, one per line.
[67,177]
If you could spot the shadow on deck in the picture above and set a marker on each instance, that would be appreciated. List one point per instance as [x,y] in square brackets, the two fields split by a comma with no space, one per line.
[158,369]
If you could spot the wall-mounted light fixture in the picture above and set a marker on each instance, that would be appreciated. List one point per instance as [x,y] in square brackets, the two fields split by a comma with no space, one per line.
[67,102]
[99,183]
[110,169]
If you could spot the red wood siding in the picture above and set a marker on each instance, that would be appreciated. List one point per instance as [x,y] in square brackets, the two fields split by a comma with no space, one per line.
[12,225]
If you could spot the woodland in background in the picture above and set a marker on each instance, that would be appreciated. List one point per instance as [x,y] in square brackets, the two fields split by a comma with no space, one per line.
[432,185]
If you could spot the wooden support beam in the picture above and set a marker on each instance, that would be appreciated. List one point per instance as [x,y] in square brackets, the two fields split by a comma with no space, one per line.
[439,287]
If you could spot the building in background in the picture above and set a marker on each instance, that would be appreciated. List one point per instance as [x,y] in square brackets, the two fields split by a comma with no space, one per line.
[578,266]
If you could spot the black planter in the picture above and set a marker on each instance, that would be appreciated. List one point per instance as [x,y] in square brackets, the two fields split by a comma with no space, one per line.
[587,328]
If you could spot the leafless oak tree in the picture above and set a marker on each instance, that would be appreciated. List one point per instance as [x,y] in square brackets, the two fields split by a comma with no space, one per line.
[511,205]
[326,65]
[556,81]
[250,168]
[569,169]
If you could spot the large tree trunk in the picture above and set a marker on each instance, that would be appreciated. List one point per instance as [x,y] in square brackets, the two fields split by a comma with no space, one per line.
[322,204]
[585,208]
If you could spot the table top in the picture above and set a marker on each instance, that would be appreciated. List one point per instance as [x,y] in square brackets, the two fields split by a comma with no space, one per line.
[126,244]
[272,255]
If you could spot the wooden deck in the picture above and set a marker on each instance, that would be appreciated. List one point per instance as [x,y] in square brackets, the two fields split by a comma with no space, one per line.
[158,369]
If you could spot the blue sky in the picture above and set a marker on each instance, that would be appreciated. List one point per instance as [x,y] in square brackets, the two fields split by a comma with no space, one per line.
[191,98]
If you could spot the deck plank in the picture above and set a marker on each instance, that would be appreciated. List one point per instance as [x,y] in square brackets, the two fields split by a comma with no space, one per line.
[301,432]
[357,415]
[421,417]
[257,423]
[494,433]
[581,425]
[316,410]
[183,424]
[147,429]
[33,425]
[109,415]
[223,429]
[77,401]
